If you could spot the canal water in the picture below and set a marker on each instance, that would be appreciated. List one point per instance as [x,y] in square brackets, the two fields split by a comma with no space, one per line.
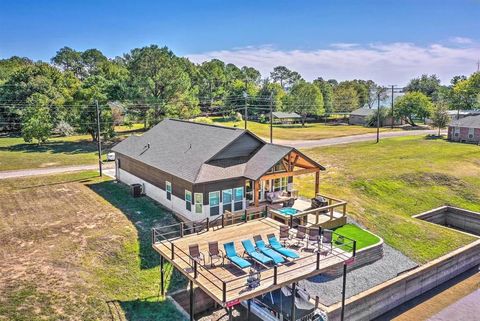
[457,299]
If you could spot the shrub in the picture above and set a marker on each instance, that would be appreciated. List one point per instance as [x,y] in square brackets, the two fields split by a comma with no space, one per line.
[203,120]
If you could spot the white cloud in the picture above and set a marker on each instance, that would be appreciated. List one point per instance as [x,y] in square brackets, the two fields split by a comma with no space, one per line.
[461,40]
[386,63]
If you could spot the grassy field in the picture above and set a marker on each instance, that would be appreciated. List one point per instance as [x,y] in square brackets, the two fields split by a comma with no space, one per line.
[386,183]
[75,247]
[363,238]
[15,154]
[297,132]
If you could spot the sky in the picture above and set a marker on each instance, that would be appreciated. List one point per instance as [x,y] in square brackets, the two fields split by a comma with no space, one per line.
[387,41]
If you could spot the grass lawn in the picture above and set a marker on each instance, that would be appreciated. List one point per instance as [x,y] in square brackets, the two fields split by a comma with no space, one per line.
[297,132]
[386,183]
[363,237]
[15,154]
[76,247]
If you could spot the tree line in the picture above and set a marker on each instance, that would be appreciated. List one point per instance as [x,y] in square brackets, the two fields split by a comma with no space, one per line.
[147,84]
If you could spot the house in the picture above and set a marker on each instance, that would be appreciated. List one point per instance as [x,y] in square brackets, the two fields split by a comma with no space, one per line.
[466,130]
[201,170]
[285,118]
[360,116]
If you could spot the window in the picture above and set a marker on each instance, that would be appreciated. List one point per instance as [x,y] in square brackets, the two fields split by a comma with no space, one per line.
[188,200]
[198,198]
[227,198]
[238,194]
[279,167]
[214,201]
[168,189]
[280,184]
[249,190]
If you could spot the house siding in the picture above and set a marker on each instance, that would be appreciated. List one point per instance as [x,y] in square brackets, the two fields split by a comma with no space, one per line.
[464,135]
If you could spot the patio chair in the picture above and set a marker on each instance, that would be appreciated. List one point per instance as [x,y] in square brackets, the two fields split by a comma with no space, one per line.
[326,242]
[277,258]
[256,256]
[276,246]
[313,237]
[232,256]
[300,236]
[214,252]
[284,234]
[195,254]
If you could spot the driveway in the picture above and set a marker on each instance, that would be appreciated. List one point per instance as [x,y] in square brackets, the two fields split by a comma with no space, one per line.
[51,170]
[353,139]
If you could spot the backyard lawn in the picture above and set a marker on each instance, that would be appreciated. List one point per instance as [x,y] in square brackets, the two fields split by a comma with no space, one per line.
[352,231]
[15,154]
[297,132]
[75,247]
[386,183]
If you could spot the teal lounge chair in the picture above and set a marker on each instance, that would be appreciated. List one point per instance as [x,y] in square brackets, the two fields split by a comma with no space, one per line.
[277,258]
[232,256]
[250,251]
[275,245]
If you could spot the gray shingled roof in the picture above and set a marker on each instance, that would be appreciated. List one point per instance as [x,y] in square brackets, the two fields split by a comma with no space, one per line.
[281,114]
[264,159]
[470,122]
[178,147]
[363,112]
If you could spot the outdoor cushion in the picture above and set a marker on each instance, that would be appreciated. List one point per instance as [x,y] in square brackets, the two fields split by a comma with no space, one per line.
[277,258]
[250,250]
[275,244]
[232,256]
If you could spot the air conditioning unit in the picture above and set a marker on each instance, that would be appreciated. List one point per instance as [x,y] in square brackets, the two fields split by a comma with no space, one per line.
[137,190]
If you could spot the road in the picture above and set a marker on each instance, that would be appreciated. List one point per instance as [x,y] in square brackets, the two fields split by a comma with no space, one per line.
[50,170]
[352,139]
[292,143]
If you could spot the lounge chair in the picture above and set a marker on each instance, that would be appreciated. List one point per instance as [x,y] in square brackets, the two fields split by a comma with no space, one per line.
[214,252]
[232,256]
[284,234]
[313,237]
[195,254]
[300,236]
[277,258]
[275,245]
[251,252]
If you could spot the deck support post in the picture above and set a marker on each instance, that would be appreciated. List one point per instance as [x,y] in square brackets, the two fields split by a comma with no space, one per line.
[317,182]
[249,307]
[223,220]
[230,314]
[275,275]
[291,221]
[318,260]
[192,302]
[173,251]
[344,286]
[294,291]
[208,224]
[181,229]
[162,277]
[354,251]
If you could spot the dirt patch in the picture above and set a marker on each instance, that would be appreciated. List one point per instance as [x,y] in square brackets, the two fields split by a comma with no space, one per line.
[430,179]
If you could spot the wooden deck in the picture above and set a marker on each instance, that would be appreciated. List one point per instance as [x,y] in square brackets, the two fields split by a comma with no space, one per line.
[228,283]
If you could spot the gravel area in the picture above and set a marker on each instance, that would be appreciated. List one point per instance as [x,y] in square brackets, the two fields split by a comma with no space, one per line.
[329,290]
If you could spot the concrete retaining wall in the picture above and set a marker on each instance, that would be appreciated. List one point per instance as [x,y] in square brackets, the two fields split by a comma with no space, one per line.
[364,256]
[461,219]
[382,298]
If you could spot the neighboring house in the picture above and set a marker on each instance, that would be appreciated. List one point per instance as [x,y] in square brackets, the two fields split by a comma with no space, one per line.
[360,117]
[285,118]
[465,130]
[200,170]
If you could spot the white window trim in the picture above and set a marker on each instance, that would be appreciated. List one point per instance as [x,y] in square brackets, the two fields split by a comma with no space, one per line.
[198,203]
[167,184]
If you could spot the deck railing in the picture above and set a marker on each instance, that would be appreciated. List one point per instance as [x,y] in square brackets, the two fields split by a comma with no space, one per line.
[341,247]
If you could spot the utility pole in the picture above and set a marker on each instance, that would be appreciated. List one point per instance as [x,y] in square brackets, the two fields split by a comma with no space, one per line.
[271,117]
[99,142]
[378,117]
[245,113]
[393,88]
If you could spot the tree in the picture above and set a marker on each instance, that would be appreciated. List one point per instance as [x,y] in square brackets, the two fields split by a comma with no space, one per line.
[162,81]
[345,98]
[428,85]
[372,120]
[36,120]
[305,99]
[327,93]
[440,117]
[413,105]
[68,59]
[466,93]
[285,76]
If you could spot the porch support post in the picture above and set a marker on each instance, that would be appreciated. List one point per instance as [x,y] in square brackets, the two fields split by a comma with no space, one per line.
[249,307]
[192,302]
[162,277]
[294,291]
[256,190]
[317,182]
[230,314]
